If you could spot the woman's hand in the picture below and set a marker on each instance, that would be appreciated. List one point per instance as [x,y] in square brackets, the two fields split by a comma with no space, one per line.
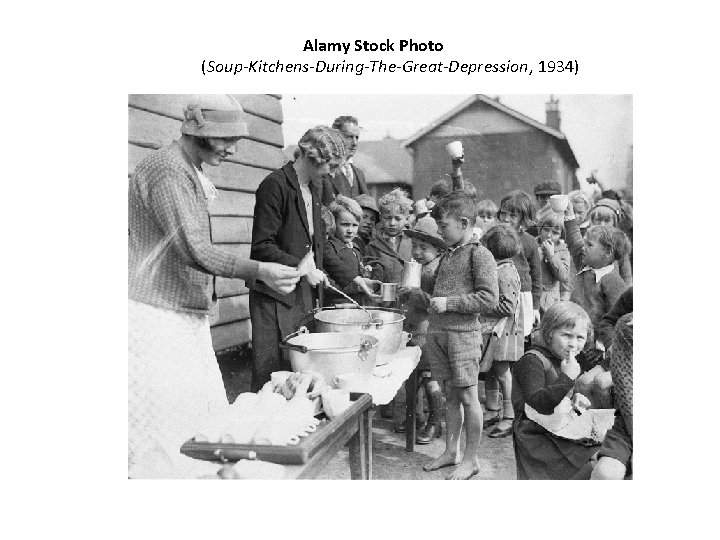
[279,277]
[315,277]
[570,367]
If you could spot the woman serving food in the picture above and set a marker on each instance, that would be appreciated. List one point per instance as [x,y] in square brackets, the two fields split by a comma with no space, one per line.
[174,383]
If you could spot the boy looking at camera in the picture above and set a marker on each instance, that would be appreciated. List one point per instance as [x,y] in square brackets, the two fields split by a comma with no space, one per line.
[466,285]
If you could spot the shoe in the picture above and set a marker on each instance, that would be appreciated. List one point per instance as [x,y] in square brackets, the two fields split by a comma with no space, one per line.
[401,427]
[500,432]
[432,431]
[490,418]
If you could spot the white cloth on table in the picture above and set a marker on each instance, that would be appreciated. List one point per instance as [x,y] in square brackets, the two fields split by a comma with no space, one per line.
[174,387]
[383,389]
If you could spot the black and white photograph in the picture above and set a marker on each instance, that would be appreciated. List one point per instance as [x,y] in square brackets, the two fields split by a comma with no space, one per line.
[380,286]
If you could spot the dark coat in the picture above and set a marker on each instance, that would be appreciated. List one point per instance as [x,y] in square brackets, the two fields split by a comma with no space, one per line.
[387,264]
[281,234]
[340,185]
[342,265]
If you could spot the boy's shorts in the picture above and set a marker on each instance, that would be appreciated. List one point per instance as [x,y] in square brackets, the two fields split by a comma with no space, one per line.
[454,356]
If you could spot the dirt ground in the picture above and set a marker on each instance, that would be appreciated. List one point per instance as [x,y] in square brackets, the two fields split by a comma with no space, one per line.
[390,459]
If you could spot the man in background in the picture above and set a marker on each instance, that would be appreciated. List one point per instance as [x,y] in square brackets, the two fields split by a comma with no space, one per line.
[349,180]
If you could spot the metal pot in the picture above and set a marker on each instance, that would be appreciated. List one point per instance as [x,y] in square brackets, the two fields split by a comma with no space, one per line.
[331,354]
[386,325]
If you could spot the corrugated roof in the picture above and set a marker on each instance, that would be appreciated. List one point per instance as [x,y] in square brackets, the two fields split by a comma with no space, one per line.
[558,135]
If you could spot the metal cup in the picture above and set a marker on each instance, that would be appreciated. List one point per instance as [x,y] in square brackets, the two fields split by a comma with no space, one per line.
[389,292]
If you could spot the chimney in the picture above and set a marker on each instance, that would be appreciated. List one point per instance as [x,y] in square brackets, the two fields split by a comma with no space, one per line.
[552,113]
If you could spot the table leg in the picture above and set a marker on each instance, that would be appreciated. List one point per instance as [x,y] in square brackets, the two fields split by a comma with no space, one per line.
[410,398]
[358,451]
[367,427]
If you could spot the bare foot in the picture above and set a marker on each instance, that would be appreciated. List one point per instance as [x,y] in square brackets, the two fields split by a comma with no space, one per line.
[445,460]
[465,471]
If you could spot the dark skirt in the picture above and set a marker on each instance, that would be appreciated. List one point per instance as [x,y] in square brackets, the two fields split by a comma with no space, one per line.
[539,455]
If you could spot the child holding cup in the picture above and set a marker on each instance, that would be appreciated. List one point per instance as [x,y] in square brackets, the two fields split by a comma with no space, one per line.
[427,247]
[388,250]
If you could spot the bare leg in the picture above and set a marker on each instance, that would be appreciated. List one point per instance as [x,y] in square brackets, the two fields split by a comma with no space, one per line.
[504,377]
[454,420]
[492,399]
[470,465]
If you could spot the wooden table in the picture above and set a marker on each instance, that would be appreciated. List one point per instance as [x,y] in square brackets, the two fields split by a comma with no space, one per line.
[352,428]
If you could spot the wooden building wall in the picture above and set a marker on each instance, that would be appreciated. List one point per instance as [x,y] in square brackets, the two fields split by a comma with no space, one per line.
[154,121]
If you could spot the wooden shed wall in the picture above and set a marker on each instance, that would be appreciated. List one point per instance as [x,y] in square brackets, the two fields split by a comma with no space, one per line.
[154,121]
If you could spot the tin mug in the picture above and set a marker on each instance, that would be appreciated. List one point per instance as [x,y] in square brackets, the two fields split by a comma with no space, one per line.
[389,292]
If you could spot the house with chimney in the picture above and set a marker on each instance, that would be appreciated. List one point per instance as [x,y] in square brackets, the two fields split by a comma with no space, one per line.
[504,149]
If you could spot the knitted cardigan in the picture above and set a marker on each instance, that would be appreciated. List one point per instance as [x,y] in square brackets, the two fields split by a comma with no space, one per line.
[595,298]
[467,276]
[171,258]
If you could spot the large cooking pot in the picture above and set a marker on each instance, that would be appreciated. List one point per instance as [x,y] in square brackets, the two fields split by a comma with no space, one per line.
[331,354]
[385,325]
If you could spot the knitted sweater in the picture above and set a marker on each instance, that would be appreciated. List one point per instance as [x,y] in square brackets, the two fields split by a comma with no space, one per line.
[528,266]
[467,276]
[171,259]
[594,297]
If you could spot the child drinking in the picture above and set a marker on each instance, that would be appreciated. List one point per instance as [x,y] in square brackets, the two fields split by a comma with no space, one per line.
[598,284]
[503,335]
[582,205]
[518,209]
[387,252]
[541,379]
[554,258]
[341,258]
[609,212]
[427,245]
[464,287]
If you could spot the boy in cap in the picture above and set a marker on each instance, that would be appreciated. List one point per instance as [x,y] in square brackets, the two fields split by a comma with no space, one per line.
[427,246]
[544,191]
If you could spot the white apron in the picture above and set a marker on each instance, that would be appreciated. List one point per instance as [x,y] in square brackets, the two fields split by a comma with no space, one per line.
[174,388]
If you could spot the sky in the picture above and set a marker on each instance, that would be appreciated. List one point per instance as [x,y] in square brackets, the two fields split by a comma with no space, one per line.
[598,126]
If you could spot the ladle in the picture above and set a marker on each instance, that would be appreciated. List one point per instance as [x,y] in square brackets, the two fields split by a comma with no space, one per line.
[371,319]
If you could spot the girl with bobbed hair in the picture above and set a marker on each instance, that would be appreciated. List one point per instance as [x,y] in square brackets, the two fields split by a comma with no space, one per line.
[545,374]
[287,225]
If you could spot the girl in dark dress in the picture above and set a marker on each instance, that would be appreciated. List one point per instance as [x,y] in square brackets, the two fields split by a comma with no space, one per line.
[542,378]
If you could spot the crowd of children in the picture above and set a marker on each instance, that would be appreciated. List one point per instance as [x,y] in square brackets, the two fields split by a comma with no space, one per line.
[510,295]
